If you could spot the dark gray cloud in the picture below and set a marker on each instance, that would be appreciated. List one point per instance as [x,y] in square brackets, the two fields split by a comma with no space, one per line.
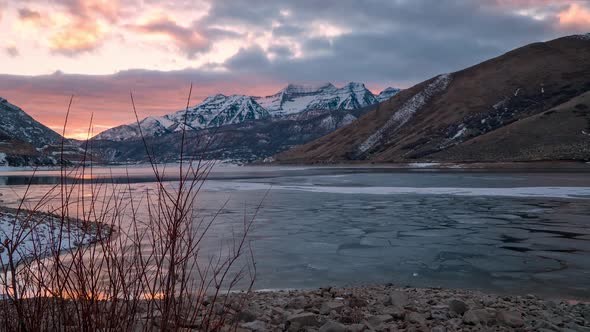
[190,40]
[280,51]
[385,41]
[249,60]
[378,42]
[287,30]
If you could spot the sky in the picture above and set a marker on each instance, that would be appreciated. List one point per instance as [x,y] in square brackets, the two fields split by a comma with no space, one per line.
[100,51]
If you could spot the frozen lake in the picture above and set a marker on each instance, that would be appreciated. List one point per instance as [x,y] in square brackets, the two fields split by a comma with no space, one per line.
[500,231]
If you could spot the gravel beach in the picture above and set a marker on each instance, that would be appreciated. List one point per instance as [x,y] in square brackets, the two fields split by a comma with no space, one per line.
[389,308]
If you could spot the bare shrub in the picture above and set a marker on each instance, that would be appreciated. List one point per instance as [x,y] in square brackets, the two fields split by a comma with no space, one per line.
[97,255]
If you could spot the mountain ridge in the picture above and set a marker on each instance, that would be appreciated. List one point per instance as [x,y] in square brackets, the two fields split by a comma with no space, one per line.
[479,99]
[220,110]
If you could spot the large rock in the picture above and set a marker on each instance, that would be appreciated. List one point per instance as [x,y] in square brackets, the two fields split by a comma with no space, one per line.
[297,303]
[304,319]
[416,318]
[256,325]
[477,316]
[458,306]
[378,320]
[398,299]
[248,315]
[395,312]
[357,302]
[510,318]
[327,307]
[332,326]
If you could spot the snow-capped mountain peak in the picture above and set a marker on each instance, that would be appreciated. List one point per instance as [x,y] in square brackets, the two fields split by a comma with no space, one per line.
[387,93]
[214,111]
[297,98]
[218,110]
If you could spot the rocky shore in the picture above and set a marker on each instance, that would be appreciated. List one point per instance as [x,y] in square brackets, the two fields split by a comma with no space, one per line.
[388,308]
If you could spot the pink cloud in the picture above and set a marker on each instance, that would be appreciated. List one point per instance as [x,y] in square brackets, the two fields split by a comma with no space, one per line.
[81,36]
[26,14]
[189,40]
[576,16]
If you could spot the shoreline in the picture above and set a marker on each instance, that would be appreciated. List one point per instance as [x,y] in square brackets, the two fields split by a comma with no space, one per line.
[556,165]
[391,308]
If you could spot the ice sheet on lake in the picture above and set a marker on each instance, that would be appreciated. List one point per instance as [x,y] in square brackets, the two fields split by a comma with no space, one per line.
[553,192]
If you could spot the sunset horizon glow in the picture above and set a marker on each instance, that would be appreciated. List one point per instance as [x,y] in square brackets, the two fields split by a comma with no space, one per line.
[100,51]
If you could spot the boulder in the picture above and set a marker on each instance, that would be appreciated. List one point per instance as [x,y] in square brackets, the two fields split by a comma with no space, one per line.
[377,320]
[510,318]
[458,306]
[395,312]
[416,318]
[398,299]
[304,319]
[297,303]
[327,307]
[255,326]
[332,326]
[476,316]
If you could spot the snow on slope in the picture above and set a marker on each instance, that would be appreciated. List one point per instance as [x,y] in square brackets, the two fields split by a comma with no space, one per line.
[405,113]
[300,98]
[219,110]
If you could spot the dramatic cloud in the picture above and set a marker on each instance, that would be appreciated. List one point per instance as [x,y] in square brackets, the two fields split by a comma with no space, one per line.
[189,40]
[77,38]
[91,9]
[239,46]
[576,16]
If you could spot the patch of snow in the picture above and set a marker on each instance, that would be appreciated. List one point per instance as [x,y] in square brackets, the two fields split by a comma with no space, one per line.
[585,36]
[516,92]
[459,133]
[423,165]
[500,104]
[28,234]
[387,94]
[3,161]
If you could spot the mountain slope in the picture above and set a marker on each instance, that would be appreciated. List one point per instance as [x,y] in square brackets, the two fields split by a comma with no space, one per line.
[561,133]
[245,142]
[20,126]
[26,142]
[422,122]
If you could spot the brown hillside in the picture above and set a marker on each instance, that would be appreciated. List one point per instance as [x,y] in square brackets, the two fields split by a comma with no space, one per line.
[424,121]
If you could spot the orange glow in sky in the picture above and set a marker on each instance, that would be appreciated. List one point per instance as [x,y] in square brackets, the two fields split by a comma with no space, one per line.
[250,47]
